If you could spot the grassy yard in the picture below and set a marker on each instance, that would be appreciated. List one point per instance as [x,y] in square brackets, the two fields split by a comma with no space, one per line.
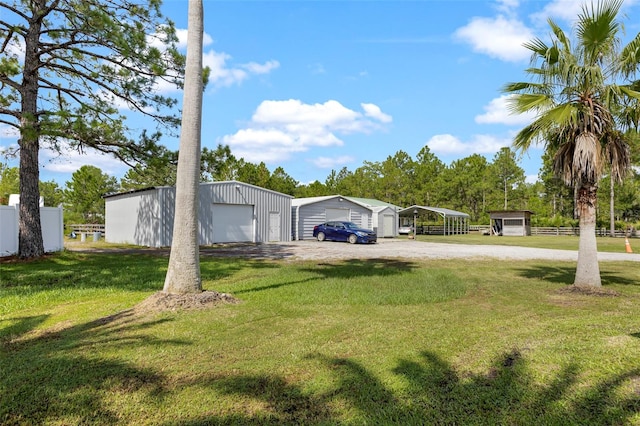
[605,244]
[358,342]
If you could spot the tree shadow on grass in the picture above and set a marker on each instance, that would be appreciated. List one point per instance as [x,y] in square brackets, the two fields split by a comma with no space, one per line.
[62,376]
[131,272]
[362,268]
[342,269]
[433,392]
[566,275]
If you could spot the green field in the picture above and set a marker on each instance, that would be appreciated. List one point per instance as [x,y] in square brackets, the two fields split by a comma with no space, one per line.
[354,342]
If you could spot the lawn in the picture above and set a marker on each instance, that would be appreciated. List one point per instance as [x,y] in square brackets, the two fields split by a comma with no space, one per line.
[605,244]
[355,342]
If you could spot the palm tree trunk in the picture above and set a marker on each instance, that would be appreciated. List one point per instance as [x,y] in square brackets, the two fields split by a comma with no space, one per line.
[183,274]
[587,270]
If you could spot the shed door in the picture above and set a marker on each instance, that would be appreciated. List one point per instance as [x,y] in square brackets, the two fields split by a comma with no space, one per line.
[232,223]
[387,225]
[274,226]
[364,221]
[336,214]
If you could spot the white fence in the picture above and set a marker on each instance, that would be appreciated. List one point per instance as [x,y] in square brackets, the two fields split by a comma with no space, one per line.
[52,229]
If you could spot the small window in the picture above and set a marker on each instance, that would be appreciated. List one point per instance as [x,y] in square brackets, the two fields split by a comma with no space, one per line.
[513,222]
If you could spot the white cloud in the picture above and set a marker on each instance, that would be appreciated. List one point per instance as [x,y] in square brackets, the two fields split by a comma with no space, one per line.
[265,68]
[332,163]
[280,128]
[567,10]
[497,112]
[498,37]
[507,6]
[374,111]
[531,178]
[9,132]
[225,75]
[447,144]
[72,160]
[182,38]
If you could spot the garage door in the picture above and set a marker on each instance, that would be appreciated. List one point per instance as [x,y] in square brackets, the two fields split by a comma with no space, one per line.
[336,214]
[232,223]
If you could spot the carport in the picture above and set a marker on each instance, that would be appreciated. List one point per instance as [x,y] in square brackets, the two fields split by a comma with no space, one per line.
[449,222]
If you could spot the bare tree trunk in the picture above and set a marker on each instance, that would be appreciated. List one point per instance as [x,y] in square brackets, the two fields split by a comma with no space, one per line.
[505,195]
[30,243]
[183,274]
[587,270]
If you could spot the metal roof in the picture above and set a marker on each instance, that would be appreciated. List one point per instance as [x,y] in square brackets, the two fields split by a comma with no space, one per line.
[441,211]
[311,200]
[372,202]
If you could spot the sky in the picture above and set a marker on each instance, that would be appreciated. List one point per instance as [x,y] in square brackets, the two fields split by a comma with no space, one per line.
[313,86]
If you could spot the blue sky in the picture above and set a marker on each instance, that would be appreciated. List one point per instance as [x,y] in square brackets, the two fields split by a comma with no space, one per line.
[318,85]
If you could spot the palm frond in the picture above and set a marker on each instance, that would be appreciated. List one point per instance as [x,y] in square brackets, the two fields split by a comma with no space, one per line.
[618,155]
[597,28]
[587,158]
[560,35]
[525,102]
[563,115]
[537,47]
[528,136]
[630,90]
[522,86]
[563,160]
[630,57]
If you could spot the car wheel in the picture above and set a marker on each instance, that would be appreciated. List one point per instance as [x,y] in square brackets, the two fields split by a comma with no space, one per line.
[321,236]
[353,238]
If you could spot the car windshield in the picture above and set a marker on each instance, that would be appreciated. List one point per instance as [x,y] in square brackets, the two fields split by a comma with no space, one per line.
[350,225]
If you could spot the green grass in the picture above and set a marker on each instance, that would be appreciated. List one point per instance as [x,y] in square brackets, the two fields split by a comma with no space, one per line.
[358,342]
[605,244]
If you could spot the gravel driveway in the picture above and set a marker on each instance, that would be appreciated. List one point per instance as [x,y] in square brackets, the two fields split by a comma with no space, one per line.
[400,248]
[385,248]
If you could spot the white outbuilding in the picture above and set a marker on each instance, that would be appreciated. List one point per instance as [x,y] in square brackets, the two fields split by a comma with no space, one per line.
[366,213]
[229,212]
[384,218]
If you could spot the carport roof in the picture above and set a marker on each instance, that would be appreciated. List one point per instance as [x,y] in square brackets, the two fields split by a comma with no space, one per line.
[441,211]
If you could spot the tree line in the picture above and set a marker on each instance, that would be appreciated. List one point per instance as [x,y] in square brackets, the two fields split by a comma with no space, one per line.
[472,184]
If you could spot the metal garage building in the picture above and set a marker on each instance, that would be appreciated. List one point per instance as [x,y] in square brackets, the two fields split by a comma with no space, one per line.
[384,218]
[229,212]
[308,212]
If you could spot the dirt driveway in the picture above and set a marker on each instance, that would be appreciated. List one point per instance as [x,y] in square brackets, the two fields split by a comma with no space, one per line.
[387,248]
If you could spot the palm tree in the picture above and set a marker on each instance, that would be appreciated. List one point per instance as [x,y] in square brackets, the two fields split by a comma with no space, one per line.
[572,94]
[183,274]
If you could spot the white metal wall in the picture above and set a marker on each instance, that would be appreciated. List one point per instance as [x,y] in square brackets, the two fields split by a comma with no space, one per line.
[51,221]
[134,218]
[146,217]
[8,230]
[265,203]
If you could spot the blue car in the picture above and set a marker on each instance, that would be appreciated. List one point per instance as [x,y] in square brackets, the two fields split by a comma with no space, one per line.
[344,231]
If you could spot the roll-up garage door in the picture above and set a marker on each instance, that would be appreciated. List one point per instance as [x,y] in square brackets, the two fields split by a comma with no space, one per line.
[336,214]
[232,223]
